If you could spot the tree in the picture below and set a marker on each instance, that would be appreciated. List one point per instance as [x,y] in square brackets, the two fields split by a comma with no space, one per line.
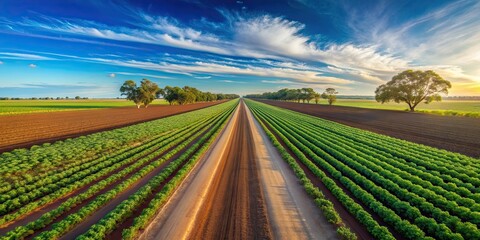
[317,97]
[307,94]
[148,92]
[77,97]
[170,94]
[330,94]
[413,87]
[130,90]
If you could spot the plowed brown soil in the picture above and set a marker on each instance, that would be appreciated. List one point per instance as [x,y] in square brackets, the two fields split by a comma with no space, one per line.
[457,134]
[25,130]
[235,208]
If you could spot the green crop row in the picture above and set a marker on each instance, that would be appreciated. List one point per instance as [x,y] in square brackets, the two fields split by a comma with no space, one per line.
[334,163]
[152,160]
[371,177]
[164,145]
[70,180]
[389,181]
[21,164]
[324,204]
[179,168]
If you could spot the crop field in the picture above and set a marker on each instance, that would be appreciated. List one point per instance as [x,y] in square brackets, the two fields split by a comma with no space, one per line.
[239,120]
[393,189]
[225,169]
[469,108]
[25,130]
[9,107]
[63,190]
[458,134]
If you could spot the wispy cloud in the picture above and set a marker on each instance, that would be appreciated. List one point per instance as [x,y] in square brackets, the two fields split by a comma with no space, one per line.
[204,77]
[23,56]
[277,81]
[447,36]
[1,62]
[230,81]
[143,75]
[275,47]
[112,75]
[31,65]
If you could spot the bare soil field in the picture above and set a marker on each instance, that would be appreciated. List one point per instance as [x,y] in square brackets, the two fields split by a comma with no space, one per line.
[25,130]
[457,134]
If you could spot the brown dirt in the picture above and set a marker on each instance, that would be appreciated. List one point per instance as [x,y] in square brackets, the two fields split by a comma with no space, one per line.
[457,134]
[235,208]
[25,130]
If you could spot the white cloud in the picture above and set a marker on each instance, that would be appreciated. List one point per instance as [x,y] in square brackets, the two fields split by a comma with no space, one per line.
[230,81]
[205,77]
[143,75]
[23,56]
[112,75]
[283,45]
[1,62]
[31,65]
[277,81]
[217,68]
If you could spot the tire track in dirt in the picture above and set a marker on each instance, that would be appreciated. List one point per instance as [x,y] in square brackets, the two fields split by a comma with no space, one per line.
[235,208]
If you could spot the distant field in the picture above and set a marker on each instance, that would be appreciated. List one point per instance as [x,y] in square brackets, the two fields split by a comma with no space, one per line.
[8,107]
[470,108]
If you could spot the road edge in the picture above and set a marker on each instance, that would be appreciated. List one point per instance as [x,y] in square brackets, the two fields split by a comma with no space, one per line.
[216,150]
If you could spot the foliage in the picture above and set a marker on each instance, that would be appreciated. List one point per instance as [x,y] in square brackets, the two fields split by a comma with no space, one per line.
[302,94]
[125,166]
[413,87]
[330,95]
[145,94]
[188,94]
[131,91]
[415,189]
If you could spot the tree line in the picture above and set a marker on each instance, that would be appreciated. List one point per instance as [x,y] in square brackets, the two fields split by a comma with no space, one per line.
[149,91]
[297,95]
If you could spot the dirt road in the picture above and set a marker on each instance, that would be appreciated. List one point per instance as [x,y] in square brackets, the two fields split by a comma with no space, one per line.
[292,213]
[25,130]
[457,134]
[241,190]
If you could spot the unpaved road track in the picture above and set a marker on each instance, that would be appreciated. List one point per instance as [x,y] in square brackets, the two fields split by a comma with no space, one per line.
[241,190]
[235,208]
[292,213]
[25,130]
[457,134]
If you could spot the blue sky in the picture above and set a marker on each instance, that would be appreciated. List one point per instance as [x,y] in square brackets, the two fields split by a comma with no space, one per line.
[89,48]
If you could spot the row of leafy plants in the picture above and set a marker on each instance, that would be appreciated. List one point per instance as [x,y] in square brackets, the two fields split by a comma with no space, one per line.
[128,206]
[148,152]
[407,207]
[25,164]
[121,180]
[402,209]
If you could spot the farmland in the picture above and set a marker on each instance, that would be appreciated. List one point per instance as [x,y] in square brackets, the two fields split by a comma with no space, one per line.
[458,134]
[393,189]
[239,120]
[469,108]
[25,130]
[237,168]
[10,107]
[128,172]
